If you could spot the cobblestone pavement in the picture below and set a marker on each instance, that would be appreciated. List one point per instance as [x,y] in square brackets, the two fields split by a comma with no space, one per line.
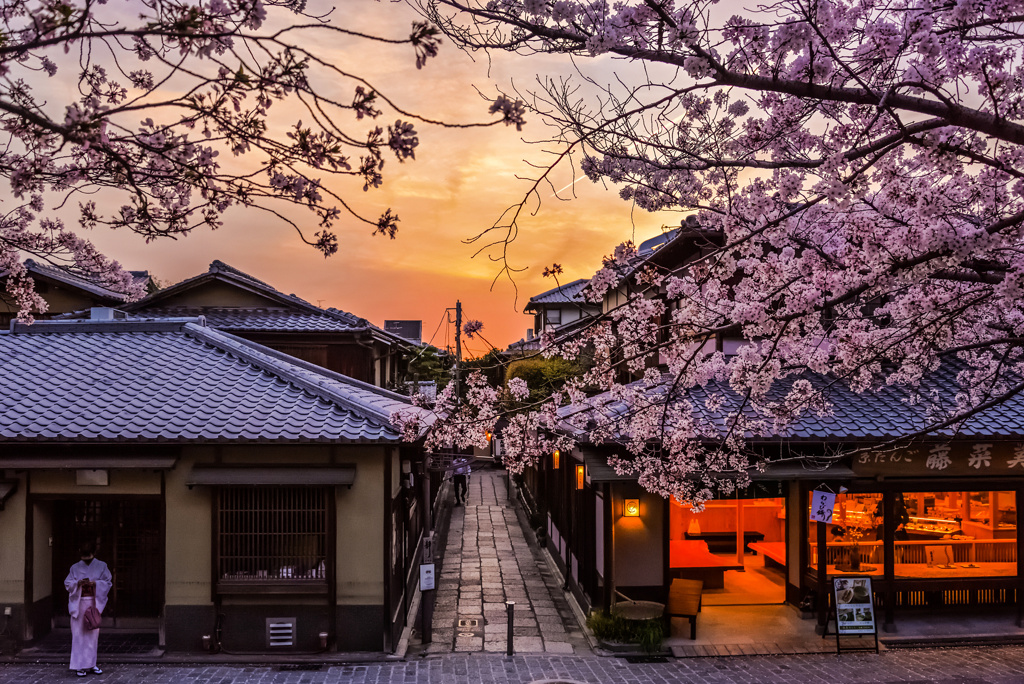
[487,562]
[979,665]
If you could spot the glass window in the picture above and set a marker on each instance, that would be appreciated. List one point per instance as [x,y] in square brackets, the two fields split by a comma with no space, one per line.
[272,534]
[956,534]
[853,540]
[554,316]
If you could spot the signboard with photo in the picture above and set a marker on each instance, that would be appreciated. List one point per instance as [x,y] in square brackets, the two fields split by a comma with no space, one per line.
[855,609]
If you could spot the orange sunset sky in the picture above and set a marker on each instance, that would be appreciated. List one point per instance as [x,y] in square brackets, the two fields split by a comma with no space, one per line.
[458,185]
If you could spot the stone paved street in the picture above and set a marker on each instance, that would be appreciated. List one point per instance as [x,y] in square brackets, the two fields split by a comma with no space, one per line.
[980,665]
[487,562]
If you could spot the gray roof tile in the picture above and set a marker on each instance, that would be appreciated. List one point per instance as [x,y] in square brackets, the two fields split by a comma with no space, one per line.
[125,382]
[570,293]
[880,415]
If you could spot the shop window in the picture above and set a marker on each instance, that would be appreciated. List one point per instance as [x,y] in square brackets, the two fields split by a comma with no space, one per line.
[853,540]
[957,534]
[272,535]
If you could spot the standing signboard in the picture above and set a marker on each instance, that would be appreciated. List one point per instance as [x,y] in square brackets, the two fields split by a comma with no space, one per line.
[855,609]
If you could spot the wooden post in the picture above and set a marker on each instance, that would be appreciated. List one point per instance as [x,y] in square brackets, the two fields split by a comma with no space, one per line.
[889,556]
[739,531]
[823,587]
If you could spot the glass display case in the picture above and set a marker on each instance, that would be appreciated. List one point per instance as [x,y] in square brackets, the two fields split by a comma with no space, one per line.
[931,527]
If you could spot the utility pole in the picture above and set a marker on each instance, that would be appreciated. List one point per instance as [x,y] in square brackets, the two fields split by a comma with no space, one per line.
[458,348]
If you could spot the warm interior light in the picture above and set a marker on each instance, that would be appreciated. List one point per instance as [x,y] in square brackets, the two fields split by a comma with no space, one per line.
[555,458]
[631,508]
[488,435]
[580,477]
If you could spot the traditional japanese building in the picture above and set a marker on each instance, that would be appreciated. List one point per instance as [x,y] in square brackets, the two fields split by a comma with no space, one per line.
[244,499]
[65,292]
[932,519]
[238,303]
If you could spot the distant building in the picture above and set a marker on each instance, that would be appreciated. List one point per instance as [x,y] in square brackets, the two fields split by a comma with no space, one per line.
[560,306]
[409,330]
[64,292]
[236,302]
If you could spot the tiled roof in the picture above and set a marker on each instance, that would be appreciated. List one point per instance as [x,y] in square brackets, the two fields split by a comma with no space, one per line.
[174,381]
[570,293]
[284,313]
[882,415]
[261,319]
[75,280]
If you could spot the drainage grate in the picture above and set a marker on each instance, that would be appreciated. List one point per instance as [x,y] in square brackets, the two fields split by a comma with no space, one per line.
[301,667]
[468,623]
[280,632]
[639,660]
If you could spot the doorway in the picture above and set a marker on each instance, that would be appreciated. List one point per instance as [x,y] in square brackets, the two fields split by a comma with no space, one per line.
[736,546]
[128,536]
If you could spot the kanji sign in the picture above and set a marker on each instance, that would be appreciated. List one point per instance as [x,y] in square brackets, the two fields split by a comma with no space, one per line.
[822,504]
[944,459]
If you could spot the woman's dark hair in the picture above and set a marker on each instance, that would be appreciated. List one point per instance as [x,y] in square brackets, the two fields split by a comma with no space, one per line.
[87,549]
[838,531]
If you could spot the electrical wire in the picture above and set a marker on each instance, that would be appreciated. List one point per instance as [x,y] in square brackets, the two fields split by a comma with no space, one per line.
[431,342]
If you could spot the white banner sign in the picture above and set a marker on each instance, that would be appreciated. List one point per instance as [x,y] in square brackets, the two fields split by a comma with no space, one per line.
[426,576]
[822,504]
[855,610]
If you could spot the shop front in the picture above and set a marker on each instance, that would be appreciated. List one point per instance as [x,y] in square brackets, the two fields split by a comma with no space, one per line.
[934,526]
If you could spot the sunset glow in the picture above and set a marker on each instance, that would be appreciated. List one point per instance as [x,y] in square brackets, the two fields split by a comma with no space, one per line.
[459,184]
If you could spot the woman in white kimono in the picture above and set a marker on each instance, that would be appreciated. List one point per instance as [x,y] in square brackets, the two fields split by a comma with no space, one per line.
[88,584]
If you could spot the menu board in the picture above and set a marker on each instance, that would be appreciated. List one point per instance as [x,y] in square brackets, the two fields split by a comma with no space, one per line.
[855,610]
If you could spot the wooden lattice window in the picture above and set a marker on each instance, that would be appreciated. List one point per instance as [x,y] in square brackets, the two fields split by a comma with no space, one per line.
[272,536]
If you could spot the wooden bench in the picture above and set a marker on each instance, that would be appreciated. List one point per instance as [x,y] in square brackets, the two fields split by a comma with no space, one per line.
[725,542]
[684,600]
[774,553]
[690,559]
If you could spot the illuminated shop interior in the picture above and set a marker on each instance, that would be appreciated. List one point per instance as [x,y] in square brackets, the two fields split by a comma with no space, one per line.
[736,547]
[936,535]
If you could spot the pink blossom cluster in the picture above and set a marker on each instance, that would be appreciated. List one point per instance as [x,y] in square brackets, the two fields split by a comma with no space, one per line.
[856,172]
[155,98]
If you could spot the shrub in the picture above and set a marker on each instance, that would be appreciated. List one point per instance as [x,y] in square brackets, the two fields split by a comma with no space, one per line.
[648,634]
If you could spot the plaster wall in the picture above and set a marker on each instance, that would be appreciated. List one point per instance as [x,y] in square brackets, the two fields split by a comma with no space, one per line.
[59,300]
[360,558]
[188,535]
[639,557]
[218,294]
[121,482]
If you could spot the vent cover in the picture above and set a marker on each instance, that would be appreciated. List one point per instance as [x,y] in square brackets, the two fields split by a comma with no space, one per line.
[280,632]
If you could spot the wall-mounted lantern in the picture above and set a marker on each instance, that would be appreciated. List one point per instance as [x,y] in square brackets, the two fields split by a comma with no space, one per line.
[556,459]
[580,477]
[631,508]
[488,435]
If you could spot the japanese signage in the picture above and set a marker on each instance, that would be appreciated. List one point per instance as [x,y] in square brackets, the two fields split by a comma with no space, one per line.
[855,611]
[822,504]
[979,460]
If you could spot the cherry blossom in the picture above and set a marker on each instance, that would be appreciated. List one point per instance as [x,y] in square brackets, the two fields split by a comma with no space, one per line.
[852,174]
[162,96]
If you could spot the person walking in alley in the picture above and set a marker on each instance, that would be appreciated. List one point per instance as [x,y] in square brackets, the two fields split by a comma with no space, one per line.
[88,584]
[461,480]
